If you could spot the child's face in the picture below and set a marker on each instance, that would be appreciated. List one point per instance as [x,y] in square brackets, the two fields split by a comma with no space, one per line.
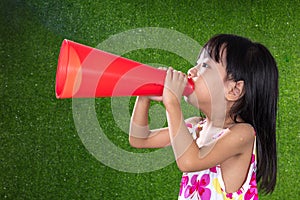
[210,83]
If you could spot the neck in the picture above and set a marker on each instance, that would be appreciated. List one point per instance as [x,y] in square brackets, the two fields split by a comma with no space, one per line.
[220,121]
[218,115]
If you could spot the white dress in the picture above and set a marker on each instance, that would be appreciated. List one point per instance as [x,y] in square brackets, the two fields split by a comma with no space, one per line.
[209,184]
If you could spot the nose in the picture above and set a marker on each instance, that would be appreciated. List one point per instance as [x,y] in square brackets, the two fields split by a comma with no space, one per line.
[193,72]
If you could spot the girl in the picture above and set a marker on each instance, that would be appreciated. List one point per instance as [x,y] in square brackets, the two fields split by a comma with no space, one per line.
[236,87]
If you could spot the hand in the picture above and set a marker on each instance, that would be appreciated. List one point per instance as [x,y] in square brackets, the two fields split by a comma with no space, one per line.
[157,98]
[175,83]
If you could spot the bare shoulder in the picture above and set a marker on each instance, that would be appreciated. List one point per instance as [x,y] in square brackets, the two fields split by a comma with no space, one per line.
[240,135]
[242,129]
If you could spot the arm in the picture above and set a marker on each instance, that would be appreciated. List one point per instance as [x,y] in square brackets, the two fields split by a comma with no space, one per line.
[139,134]
[235,142]
[183,145]
[188,156]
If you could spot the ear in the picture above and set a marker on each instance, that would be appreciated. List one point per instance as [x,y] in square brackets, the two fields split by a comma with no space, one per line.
[235,90]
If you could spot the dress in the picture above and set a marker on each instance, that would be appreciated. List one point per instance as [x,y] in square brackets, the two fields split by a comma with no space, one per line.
[209,184]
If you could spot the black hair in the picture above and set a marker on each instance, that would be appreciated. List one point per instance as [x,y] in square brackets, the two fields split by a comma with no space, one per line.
[253,63]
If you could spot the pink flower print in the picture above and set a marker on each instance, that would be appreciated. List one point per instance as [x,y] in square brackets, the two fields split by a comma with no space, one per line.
[213,169]
[204,193]
[190,189]
[198,187]
[183,184]
[189,125]
[240,191]
[252,158]
[229,195]
[252,191]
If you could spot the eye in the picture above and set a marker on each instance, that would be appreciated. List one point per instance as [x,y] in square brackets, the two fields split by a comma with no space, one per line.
[204,65]
[201,68]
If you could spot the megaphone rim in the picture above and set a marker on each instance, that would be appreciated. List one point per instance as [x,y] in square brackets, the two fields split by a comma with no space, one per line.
[61,74]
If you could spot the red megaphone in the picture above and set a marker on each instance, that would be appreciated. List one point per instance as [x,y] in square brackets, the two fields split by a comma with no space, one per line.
[83,71]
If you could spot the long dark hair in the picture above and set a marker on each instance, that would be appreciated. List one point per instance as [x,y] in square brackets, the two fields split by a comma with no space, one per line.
[253,63]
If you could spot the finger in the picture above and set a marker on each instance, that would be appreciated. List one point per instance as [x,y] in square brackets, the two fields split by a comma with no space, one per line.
[163,68]
[169,75]
[179,75]
[176,74]
[155,98]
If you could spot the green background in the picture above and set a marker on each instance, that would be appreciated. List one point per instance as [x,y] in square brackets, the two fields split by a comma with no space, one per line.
[41,154]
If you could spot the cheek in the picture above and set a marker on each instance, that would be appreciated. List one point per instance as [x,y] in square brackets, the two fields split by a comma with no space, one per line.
[201,94]
[208,89]
[202,89]
[193,100]
[213,84]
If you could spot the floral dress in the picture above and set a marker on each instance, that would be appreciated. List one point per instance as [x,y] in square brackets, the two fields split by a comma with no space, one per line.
[209,184]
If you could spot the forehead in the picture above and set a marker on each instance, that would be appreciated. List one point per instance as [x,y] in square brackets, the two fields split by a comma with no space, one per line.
[205,55]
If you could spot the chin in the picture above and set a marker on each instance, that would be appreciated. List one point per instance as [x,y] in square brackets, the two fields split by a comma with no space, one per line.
[192,99]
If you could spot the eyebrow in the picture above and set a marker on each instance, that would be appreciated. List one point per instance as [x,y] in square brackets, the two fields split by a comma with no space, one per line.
[198,64]
[207,58]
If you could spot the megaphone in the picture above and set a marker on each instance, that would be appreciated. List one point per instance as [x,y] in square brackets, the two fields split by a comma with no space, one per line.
[85,72]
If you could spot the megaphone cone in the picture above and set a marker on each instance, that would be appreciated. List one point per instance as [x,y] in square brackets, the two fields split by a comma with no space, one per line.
[85,72]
